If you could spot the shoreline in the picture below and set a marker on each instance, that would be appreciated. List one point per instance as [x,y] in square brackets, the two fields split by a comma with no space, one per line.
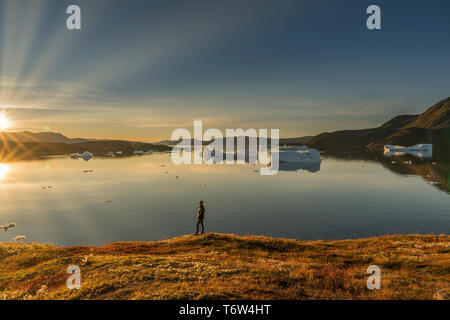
[227,266]
[233,235]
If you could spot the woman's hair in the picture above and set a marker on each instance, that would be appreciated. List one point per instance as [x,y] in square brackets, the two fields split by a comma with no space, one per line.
[200,202]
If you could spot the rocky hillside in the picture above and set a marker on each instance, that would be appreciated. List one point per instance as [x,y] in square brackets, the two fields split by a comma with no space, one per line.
[432,126]
[436,117]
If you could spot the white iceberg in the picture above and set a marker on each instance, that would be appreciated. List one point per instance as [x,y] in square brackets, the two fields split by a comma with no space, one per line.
[18,238]
[417,147]
[217,156]
[304,156]
[86,156]
[294,148]
[419,150]
[6,226]
[295,159]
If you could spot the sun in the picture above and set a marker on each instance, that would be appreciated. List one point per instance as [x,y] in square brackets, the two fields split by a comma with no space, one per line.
[5,123]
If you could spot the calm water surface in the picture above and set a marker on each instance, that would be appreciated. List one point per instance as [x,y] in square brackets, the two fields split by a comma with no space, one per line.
[140,198]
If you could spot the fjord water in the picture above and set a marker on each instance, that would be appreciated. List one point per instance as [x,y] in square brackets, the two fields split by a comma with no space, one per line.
[58,200]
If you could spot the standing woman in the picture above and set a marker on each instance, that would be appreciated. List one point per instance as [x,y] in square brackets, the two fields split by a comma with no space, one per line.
[200,216]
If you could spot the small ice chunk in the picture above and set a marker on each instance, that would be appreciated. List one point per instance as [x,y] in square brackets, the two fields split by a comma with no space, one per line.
[6,226]
[18,238]
[306,156]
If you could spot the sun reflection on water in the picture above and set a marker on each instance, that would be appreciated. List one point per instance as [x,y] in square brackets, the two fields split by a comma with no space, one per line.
[4,168]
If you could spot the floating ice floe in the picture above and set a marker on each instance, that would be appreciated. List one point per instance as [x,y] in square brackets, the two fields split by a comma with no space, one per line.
[86,156]
[305,156]
[290,157]
[211,155]
[293,148]
[419,150]
[17,238]
[217,156]
[6,226]
[303,159]
[417,147]
[180,149]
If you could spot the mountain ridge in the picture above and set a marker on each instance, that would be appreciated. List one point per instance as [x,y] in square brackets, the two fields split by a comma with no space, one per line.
[431,126]
[28,136]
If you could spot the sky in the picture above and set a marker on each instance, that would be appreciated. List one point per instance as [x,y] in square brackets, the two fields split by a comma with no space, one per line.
[139,69]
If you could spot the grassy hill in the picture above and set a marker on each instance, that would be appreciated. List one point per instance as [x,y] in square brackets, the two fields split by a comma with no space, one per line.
[220,266]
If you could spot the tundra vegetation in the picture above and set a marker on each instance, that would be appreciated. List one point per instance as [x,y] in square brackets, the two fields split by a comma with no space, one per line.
[224,266]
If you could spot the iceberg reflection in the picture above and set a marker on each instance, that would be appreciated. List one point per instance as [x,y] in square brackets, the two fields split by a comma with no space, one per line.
[296,166]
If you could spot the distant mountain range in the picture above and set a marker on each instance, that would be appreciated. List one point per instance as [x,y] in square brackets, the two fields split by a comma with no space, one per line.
[22,145]
[432,126]
[26,136]
[283,141]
